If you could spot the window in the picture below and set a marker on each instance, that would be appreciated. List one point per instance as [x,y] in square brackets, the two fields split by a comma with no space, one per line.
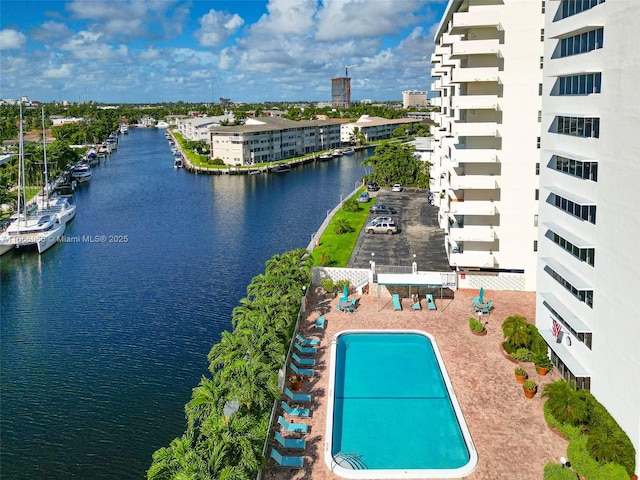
[572,7]
[539,116]
[540,89]
[584,337]
[541,62]
[587,255]
[538,168]
[537,194]
[538,142]
[543,6]
[535,245]
[578,126]
[542,34]
[577,168]
[585,296]
[583,84]
[535,220]
[582,43]
[584,212]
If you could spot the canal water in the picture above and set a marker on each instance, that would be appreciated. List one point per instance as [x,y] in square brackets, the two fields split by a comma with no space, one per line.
[104,336]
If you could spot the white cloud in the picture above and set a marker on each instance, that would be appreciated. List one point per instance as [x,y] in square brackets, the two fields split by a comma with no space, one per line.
[216,27]
[11,39]
[50,31]
[286,17]
[63,71]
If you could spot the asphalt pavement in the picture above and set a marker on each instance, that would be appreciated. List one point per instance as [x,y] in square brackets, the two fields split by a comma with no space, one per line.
[419,236]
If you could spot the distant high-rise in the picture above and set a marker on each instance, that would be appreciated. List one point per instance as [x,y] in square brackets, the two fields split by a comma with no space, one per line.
[414,98]
[341,91]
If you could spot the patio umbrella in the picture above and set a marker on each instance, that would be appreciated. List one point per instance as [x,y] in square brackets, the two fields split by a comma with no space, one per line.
[345,291]
[481,296]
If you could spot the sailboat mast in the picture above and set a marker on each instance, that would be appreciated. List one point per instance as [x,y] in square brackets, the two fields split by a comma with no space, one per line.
[21,171]
[46,170]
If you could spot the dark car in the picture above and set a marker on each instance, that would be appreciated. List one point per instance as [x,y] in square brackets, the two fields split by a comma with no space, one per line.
[382,209]
[372,187]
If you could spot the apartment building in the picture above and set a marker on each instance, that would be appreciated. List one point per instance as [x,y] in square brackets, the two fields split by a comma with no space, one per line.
[414,98]
[269,139]
[487,66]
[198,128]
[373,128]
[586,303]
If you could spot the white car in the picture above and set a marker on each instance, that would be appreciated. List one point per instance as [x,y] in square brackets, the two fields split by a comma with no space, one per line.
[396,188]
[382,220]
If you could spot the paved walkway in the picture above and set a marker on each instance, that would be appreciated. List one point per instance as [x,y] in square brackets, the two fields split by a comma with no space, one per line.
[509,431]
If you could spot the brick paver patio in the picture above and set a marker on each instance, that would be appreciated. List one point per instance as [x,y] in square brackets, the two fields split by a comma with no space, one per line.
[508,430]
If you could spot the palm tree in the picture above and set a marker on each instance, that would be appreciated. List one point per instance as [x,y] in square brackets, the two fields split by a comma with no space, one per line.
[515,331]
[565,404]
[205,402]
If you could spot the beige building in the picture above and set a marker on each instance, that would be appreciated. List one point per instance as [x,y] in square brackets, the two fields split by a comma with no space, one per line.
[270,139]
[374,128]
[414,98]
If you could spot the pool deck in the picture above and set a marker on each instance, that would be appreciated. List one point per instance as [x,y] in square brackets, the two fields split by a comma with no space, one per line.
[509,432]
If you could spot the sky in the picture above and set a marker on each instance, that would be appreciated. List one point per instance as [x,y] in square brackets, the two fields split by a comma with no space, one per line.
[149,51]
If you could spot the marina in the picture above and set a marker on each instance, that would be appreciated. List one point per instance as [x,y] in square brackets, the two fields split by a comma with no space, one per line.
[109,331]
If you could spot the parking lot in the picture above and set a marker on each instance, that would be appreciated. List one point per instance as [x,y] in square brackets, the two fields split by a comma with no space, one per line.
[419,237]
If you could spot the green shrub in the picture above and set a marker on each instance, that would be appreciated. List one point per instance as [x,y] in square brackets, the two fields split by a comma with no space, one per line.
[342,226]
[328,285]
[542,360]
[516,331]
[568,431]
[555,471]
[522,354]
[351,205]
[588,467]
[521,372]
[324,259]
[565,403]
[509,348]
[476,325]
[529,384]
[340,284]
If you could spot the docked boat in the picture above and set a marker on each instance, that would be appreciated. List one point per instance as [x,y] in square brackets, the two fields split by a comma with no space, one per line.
[177,163]
[162,124]
[124,128]
[60,207]
[336,153]
[325,156]
[282,168]
[81,172]
[348,151]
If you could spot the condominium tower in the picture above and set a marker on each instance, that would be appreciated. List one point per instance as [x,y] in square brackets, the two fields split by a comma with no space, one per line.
[589,181]
[487,66]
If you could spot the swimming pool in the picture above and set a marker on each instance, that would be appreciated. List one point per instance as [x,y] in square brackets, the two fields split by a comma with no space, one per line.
[392,412]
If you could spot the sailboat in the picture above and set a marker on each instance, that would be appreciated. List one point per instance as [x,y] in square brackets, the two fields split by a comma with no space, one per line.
[58,206]
[40,230]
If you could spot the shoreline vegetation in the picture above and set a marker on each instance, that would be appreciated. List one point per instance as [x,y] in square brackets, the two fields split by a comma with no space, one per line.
[228,414]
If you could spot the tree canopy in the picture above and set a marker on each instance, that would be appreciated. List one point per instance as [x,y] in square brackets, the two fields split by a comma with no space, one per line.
[398,163]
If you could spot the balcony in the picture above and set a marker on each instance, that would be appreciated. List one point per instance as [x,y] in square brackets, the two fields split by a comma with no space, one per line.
[435,58]
[475,102]
[479,74]
[462,21]
[448,39]
[473,233]
[442,50]
[461,154]
[480,129]
[474,182]
[465,48]
[472,207]
[473,259]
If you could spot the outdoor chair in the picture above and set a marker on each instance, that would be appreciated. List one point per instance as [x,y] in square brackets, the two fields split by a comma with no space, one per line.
[320,322]
[295,411]
[296,443]
[307,341]
[307,372]
[293,427]
[302,349]
[395,298]
[303,361]
[297,397]
[287,462]
[431,304]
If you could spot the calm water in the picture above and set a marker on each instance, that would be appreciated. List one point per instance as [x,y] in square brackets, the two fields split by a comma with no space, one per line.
[103,341]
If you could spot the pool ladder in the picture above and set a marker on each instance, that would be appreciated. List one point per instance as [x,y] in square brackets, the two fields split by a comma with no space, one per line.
[351,461]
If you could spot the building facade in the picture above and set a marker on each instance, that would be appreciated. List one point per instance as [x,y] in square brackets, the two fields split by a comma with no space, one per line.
[373,128]
[341,91]
[198,128]
[589,172]
[270,139]
[414,98]
[487,69]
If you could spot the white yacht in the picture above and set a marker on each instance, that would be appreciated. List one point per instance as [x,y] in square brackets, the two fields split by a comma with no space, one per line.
[81,172]
[124,128]
[61,207]
[43,231]
[162,124]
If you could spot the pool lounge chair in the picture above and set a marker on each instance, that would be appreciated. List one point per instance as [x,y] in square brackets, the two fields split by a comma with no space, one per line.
[293,427]
[297,443]
[303,361]
[287,462]
[307,372]
[395,298]
[307,341]
[320,322]
[431,304]
[295,411]
[302,349]
[297,397]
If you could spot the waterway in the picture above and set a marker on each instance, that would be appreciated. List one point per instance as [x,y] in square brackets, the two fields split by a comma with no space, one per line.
[104,336]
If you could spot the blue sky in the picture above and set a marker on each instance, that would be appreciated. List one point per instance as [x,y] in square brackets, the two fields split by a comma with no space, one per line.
[198,51]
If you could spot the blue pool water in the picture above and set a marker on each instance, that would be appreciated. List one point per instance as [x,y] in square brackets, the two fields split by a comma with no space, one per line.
[392,408]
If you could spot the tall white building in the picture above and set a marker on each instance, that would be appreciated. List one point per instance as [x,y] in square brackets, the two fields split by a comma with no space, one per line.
[487,64]
[589,178]
[414,98]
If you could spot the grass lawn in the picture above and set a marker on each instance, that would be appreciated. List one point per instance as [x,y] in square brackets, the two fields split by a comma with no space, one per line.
[340,247]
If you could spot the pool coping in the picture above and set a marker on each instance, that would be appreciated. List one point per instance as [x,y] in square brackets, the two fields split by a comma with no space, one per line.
[397,473]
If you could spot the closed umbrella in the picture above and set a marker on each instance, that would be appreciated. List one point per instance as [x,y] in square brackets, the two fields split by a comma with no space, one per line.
[345,291]
[481,296]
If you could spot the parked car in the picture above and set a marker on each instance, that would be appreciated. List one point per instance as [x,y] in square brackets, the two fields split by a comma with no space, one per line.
[382,219]
[382,209]
[396,188]
[372,187]
[382,227]
[364,197]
